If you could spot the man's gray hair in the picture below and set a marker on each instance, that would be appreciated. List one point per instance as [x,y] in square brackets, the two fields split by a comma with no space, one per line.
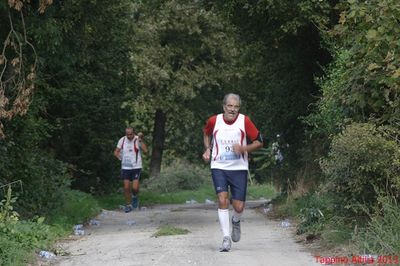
[236,96]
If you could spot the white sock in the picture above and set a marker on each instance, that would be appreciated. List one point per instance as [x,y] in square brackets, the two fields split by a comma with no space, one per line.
[236,216]
[223,215]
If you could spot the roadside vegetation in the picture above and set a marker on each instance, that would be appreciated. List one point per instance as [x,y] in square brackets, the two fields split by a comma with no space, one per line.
[22,239]
[356,206]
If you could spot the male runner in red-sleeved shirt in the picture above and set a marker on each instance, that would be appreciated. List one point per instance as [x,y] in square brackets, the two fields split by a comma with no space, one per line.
[225,141]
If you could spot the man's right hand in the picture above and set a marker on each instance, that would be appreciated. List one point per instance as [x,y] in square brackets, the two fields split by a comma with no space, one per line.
[206,155]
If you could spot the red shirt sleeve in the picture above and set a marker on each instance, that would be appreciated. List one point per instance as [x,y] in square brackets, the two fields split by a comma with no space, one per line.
[251,130]
[209,127]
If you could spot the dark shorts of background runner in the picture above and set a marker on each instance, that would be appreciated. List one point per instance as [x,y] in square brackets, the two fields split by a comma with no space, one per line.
[236,180]
[131,174]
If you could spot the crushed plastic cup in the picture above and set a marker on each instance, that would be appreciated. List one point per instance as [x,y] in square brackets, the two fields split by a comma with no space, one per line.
[130,222]
[191,201]
[285,223]
[209,201]
[79,232]
[266,210]
[46,254]
[94,222]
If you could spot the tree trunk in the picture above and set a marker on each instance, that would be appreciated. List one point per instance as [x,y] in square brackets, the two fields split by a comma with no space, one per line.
[158,142]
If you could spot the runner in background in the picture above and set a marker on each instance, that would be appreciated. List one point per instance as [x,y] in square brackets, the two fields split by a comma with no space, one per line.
[129,150]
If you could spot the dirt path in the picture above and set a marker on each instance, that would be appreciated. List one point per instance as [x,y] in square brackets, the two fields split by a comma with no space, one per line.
[115,242]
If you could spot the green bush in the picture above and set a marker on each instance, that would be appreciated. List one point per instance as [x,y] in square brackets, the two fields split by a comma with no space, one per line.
[179,175]
[11,252]
[77,207]
[320,214]
[45,186]
[18,239]
[362,163]
[314,210]
[44,179]
[381,236]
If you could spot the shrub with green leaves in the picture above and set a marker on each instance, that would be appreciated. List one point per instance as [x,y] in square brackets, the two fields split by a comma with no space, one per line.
[77,207]
[370,31]
[18,239]
[44,179]
[7,213]
[314,210]
[45,185]
[362,163]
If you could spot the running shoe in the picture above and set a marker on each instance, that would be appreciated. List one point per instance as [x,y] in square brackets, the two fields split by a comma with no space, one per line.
[236,231]
[226,244]
[127,208]
[135,202]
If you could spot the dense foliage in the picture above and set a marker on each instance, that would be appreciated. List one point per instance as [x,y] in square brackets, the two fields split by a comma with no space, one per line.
[363,164]
[181,51]
[357,116]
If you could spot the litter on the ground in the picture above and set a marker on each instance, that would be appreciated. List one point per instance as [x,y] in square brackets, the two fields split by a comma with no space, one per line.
[94,222]
[78,226]
[130,222]
[209,201]
[191,201]
[79,232]
[266,210]
[285,223]
[46,254]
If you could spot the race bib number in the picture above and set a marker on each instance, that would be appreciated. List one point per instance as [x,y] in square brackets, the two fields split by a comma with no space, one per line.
[228,154]
[127,161]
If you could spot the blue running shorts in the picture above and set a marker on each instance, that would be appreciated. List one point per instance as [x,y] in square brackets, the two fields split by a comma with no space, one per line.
[131,174]
[236,180]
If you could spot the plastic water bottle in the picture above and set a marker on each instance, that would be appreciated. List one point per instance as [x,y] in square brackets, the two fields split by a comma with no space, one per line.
[46,254]
[285,223]
[79,232]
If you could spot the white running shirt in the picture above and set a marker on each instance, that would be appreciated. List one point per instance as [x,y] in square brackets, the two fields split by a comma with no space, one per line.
[131,153]
[224,137]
